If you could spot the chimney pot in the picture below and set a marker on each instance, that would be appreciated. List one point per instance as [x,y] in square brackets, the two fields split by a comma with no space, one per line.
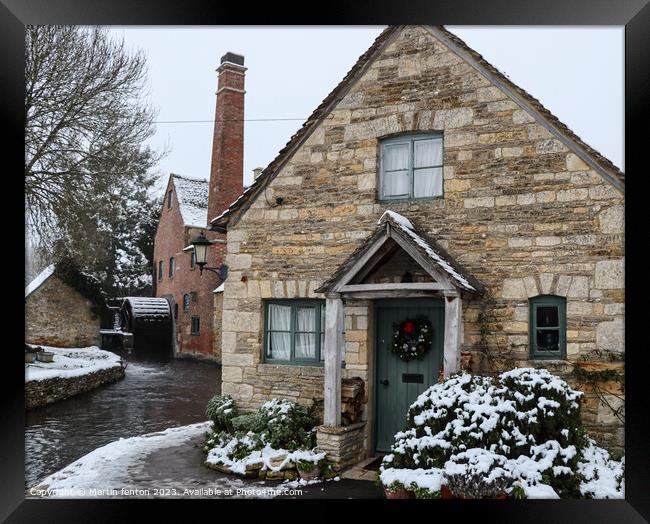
[257,172]
[233,58]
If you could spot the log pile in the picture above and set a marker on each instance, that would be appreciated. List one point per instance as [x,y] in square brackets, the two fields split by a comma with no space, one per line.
[352,396]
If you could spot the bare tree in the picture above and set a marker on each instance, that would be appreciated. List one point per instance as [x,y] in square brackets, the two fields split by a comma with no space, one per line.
[86,123]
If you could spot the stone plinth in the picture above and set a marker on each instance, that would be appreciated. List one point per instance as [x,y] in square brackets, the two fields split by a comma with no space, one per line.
[343,444]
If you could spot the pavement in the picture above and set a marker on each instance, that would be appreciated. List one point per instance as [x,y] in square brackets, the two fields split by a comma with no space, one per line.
[178,471]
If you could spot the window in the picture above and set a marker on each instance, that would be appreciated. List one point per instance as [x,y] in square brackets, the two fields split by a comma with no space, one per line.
[170,199]
[175,311]
[411,167]
[160,270]
[186,302]
[547,327]
[294,331]
[196,325]
[194,296]
[171,267]
[192,259]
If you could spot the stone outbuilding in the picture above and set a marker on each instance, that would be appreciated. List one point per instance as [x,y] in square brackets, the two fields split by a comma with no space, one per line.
[58,315]
[427,205]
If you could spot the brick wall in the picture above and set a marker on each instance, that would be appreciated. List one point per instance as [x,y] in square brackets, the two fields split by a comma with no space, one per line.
[171,237]
[58,315]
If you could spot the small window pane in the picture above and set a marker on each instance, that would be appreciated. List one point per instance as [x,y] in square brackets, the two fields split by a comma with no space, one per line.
[547,316]
[279,346]
[427,182]
[305,345]
[306,319]
[428,153]
[396,183]
[548,340]
[279,317]
[396,157]
[322,347]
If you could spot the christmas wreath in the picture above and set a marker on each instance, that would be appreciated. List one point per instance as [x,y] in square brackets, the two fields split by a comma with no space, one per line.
[412,338]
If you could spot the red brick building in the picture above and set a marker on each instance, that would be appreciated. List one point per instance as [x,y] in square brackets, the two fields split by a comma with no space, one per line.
[188,204]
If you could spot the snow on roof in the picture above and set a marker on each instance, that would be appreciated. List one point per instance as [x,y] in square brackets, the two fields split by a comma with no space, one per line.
[192,198]
[218,289]
[405,225]
[39,280]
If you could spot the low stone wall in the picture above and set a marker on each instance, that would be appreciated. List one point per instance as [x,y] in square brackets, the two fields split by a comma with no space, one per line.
[343,444]
[43,392]
[253,471]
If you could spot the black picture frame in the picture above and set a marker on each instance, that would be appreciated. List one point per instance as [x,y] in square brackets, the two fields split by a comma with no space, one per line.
[633,14]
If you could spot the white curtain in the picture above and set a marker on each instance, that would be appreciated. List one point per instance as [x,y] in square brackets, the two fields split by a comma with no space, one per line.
[396,177]
[427,182]
[306,342]
[279,342]
[428,153]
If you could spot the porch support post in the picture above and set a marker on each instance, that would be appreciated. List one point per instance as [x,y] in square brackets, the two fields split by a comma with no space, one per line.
[334,326]
[453,324]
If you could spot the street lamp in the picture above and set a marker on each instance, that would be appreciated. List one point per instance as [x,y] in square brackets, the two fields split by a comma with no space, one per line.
[200,245]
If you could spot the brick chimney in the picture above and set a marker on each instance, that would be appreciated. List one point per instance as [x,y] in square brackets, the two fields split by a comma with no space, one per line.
[227,170]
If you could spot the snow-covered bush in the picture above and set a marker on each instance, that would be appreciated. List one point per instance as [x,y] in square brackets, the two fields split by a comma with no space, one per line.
[477,473]
[221,410]
[280,428]
[524,427]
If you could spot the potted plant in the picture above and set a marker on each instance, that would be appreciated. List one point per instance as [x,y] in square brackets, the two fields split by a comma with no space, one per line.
[397,490]
[308,470]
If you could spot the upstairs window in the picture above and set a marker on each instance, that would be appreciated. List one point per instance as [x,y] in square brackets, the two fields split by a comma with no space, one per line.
[547,327]
[186,302]
[171,267]
[170,199]
[160,270]
[411,167]
[192,259]
[294,331]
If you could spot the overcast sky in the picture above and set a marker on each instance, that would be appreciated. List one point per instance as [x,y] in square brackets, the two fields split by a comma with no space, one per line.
[576,72]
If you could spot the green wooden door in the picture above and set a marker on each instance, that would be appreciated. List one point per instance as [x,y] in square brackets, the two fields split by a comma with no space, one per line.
[398,383]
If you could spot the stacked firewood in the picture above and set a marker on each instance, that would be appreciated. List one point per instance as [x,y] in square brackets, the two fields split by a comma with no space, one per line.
[352,396]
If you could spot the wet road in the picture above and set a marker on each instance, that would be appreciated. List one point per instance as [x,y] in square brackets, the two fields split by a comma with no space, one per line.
[153,396]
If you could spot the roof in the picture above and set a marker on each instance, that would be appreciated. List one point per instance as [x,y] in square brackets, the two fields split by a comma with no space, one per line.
[426,246]
[192,198]
[39,280]
[597,161]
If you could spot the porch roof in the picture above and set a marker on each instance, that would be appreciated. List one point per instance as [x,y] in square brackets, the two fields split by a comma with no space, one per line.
[432,257]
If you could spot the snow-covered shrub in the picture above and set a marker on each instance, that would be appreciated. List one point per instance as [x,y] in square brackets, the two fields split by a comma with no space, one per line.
[221,410]
[477,473]
[526,424]
[280,428]
[287,425]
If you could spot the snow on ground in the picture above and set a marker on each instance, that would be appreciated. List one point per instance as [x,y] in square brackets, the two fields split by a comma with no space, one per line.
[108,467]
[71,362]
[125,469]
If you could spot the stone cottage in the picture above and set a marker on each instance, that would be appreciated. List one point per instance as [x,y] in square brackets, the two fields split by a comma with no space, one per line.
[195,295]
[427,195]
[58,315]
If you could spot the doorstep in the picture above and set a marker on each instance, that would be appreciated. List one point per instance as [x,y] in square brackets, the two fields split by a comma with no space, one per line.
[358,471]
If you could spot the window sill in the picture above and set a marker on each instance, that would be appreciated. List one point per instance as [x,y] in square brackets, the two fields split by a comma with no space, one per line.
[297,364]
[386,201]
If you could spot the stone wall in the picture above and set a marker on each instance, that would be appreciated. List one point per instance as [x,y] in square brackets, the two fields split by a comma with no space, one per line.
[343,445]
[42,392]
[58,315]
[520,211]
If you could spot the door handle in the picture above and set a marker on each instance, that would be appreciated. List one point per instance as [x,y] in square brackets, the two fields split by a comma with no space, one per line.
[384,382]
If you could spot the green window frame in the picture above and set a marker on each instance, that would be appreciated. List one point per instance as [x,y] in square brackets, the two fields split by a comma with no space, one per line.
[294,332]
[171,267]
[160,270]
[415,168]
[547,327]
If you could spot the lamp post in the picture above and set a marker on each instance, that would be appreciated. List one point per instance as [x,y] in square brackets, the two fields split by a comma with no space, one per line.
[200,245]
